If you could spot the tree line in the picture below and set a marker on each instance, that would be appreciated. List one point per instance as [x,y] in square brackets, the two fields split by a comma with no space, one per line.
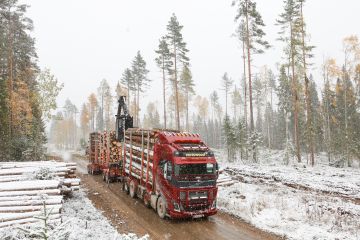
[277,108]
[27,94]
[301,122]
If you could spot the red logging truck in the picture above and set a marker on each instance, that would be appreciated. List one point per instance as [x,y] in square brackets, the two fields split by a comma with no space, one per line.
[173,172]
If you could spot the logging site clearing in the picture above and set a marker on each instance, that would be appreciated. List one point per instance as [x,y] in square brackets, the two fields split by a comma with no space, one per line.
[177,120]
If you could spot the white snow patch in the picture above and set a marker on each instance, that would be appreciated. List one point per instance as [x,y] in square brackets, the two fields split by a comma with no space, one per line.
[325,207]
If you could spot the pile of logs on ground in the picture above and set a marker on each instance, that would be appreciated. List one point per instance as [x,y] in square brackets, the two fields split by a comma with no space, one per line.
[139,145]
[26,188]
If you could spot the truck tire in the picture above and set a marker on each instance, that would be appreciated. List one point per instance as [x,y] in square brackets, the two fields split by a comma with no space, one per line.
[125,187]
[146,200]
[133,188]
[161,207]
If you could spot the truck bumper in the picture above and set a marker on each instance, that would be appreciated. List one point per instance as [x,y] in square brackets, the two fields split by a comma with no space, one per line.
[195,214]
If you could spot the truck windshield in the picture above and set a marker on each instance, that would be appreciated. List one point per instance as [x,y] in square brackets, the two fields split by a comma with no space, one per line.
[194,169]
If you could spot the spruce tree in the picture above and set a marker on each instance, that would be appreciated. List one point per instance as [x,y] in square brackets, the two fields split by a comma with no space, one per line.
[290,34]
[285,104]
[236,101]
[306,54]
[178,53]
[229,138]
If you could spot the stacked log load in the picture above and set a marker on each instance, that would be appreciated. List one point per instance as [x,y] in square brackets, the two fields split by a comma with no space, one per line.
[94,148]
[105,148]
[26,188]
[139,153]
[115,148]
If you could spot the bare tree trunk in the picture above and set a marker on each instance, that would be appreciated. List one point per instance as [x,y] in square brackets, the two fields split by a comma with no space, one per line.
[346,118]
[249,72]
[176,91]
[307,93]
[245,96]
[11,77]
[138,107]
[187,111]
[226,101]
[164,98]
[328,130]
[295,93]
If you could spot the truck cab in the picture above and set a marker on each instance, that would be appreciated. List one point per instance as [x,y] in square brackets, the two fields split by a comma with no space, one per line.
[186,174]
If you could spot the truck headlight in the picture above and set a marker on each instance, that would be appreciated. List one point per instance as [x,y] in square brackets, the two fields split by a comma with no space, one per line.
[182,195]
[210,154]
[213,205]
[176,207]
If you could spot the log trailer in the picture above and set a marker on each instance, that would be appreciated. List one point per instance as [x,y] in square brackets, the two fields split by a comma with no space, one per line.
[173,172]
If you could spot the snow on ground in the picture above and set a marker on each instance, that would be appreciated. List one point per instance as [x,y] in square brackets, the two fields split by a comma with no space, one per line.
[296,201]
[88,223]
[83,222]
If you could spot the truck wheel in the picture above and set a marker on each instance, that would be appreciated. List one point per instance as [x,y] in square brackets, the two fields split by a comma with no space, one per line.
[146,200]
[125,187]
[161,207]
[133,189]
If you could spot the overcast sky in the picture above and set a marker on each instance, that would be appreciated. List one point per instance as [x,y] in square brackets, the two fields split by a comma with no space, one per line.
[84,41]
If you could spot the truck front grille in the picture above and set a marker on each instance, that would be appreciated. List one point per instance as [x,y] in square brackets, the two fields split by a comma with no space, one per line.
[194,208]
[198,195]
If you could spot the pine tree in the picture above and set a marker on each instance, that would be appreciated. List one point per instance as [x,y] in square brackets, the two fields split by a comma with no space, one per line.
[178,53]
[164,63]
[141,81]
[128,81]
[241,34]
[187,86]
[249,17]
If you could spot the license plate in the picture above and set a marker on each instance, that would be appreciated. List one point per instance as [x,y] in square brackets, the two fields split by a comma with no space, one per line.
[198,216]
